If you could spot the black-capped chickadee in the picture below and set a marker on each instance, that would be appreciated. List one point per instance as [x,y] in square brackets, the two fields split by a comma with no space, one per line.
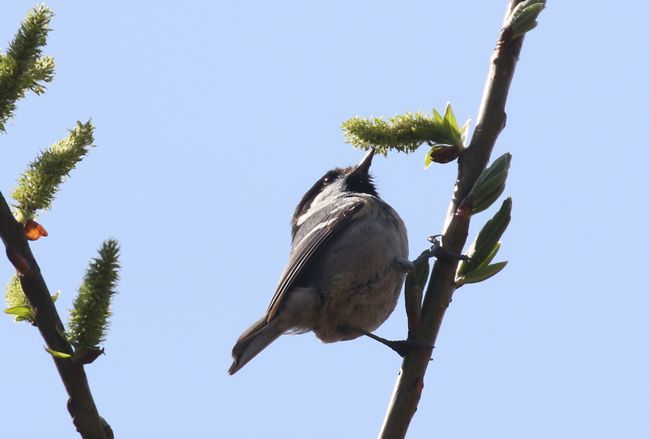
[345,271]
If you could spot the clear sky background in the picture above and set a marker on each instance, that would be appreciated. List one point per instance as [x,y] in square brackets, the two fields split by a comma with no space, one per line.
[213,118]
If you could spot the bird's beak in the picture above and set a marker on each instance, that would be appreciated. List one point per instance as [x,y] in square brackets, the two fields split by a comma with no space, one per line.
[364,165]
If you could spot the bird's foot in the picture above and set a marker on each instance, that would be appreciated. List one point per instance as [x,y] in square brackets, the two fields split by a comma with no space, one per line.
[436,251]
[439,252]
[402,347]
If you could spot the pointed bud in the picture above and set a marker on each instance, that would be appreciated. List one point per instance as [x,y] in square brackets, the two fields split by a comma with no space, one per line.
[490,184]
[413,290]
[34,231]
[524,15]
[441,154]
[486,245]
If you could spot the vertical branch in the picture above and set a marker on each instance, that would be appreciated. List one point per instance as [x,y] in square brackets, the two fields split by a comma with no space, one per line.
[80,404]
[491,120]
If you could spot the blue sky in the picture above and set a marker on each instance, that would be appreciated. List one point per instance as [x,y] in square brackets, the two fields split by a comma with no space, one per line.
[213,118]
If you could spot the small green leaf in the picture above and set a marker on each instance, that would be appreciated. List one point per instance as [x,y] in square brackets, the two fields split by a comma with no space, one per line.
[483,247]
[481,274]
[57,354]
[437,117]
[450,118]
[55,296]
[427,160]
[22,312]
[490,255]
[465,266]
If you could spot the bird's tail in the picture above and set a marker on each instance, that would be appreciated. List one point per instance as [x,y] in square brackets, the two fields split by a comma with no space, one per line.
[252,342]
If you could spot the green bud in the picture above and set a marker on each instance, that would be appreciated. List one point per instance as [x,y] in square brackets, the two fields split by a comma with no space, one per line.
[490,184]
[486,245]
[524,15]
[414,286]
[441,154]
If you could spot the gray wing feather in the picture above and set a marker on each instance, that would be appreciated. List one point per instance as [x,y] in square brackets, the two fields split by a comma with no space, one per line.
[306,249]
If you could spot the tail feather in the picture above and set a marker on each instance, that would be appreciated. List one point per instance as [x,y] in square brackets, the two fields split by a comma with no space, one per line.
[252,342]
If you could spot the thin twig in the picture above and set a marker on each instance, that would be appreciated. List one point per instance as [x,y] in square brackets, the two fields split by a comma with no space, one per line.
[491,120]
[80,404]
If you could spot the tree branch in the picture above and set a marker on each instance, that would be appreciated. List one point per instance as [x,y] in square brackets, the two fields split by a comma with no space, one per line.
[491,120]
[80,404]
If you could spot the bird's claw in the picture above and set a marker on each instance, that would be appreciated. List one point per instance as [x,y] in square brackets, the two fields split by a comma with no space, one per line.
[402,347]
[439,252]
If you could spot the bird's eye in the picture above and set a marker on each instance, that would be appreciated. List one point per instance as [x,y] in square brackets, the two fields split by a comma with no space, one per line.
[329,178]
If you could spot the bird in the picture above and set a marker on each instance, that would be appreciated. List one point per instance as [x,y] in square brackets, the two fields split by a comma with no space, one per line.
[347,263]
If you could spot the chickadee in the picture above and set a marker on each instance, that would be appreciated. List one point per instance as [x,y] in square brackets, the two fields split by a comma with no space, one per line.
[346,267]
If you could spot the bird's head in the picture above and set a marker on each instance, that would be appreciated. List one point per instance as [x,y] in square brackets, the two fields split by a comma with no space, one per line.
[336,183]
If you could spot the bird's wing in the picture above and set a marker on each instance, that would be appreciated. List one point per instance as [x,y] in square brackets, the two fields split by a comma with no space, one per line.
[308,247]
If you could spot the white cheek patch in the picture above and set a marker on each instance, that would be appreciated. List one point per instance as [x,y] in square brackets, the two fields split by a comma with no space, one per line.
[320,201]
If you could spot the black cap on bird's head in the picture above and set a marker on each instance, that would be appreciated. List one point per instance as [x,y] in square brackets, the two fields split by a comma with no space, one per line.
[358,178]
[354,179]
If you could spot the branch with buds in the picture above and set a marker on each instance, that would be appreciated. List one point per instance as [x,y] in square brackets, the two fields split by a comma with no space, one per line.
[23,68]
[477,188]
